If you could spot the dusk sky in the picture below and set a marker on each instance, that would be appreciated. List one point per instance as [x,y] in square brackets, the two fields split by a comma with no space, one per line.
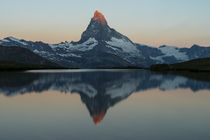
[152,22]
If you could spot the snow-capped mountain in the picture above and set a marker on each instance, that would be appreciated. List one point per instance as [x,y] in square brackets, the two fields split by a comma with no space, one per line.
[99,46]
[21,58]
[103,47]
[171,54]
[42,49]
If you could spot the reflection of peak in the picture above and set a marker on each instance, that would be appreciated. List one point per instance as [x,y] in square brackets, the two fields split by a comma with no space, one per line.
[99,104]
[98,117]
[99,17]
[98,90]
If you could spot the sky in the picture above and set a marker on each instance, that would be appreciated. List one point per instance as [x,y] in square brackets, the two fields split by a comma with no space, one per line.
[152,22]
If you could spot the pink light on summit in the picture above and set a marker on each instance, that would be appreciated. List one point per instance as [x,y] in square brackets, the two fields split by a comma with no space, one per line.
[98,16]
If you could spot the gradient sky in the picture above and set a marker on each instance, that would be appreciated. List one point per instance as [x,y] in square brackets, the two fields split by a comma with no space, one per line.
[152,22]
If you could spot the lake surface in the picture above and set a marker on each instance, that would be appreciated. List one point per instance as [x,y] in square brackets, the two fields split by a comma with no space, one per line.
[104,105]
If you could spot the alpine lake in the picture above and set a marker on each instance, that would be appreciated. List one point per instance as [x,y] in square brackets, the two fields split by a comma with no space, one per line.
[104,105]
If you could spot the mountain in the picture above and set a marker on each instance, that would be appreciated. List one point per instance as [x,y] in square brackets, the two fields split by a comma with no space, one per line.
[20,58]
[170,54]
[202,64]
[107,47]
[101,46]
[42,49]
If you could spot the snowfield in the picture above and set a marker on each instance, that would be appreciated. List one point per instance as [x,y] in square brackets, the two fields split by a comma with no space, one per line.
[169,51]
[86,46]
[174,51]
[123,44]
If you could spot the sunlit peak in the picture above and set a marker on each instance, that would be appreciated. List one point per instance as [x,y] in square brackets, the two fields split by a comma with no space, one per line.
[98,16]
[98,117]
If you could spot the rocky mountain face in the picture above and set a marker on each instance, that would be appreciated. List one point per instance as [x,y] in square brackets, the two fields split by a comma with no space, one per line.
[103,47]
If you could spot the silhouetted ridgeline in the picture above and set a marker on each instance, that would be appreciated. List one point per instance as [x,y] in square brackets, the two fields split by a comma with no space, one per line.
[197,65]
[16,58]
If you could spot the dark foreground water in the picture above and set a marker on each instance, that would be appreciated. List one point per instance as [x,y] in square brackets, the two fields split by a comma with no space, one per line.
[104,105]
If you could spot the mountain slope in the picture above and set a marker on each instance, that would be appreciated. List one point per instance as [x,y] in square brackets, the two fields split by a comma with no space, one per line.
[20,58]
[202,64]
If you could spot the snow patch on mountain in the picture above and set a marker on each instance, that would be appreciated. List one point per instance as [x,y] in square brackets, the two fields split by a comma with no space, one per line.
[170,51]
[17,40]
[86,46]
[53,46]
[173,51]
[158,58]
[123,44]
[4,40]
[65,44]
[114,48]
[70,55]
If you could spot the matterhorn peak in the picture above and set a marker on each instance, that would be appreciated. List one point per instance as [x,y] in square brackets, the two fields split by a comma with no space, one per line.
[99,17]
[99,30]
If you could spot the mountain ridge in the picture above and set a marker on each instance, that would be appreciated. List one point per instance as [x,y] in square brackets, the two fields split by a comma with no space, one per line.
[101,46]
[16,58]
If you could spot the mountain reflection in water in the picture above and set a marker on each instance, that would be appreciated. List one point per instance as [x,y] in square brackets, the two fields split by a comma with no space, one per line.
[99,90]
